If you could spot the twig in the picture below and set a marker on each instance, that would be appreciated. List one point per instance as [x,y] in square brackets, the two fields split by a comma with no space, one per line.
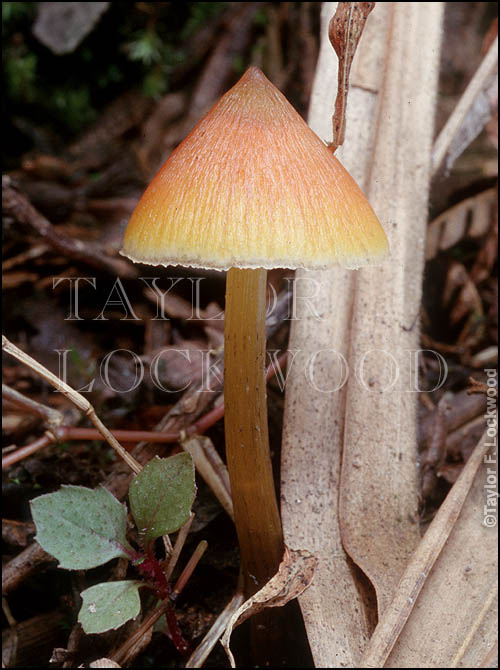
[123,113]
[477,387]
[30,449]
[18,207]
[53,417]
[23,565]
[69,433]
[74,397]
[31,253]
[436,452]
[463,409]
[219,65]
[148,622]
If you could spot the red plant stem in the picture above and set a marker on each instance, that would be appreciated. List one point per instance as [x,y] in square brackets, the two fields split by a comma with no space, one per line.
[150,567]
[24,452]
[173,626]
[69,433]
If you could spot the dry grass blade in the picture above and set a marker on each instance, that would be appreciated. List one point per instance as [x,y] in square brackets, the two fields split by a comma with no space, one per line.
[470,115]
[200,654]
[448,586]
[74,397]
[212,468]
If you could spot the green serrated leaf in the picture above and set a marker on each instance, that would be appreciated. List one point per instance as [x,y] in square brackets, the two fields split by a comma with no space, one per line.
[81,527]
[109,606]
[161,496]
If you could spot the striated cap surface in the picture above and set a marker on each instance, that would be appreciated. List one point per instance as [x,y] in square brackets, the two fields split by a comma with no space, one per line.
[252,186]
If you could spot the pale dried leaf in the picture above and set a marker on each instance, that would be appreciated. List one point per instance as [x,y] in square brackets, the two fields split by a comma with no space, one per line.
[491,658]
[471,217]
[442,613]
[294,575]
[336,616]
[344,31]
[378,502]
[468,298]
[334,612]
[472,113]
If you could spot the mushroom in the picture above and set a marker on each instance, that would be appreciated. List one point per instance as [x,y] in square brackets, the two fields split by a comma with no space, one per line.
[251,188]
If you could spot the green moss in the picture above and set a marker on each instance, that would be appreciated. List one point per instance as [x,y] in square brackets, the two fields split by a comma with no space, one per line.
[20,73]
[14,12]
[199,14]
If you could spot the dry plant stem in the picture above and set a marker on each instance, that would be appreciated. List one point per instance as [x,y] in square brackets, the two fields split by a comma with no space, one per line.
[200,654]
[52,416]
[212,468]
[15,204]
[23,452]
[29,254]
[148,622]
[22,566]
[189,569]
[179,543]
[77,399]
[167,545]
[65,433]
[413,579]
[247,443]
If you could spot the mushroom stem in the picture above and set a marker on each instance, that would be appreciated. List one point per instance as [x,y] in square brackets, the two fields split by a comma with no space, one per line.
[247,442]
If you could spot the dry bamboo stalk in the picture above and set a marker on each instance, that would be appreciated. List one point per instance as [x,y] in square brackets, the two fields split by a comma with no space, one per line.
[333,610]
[379,492]
[382,131]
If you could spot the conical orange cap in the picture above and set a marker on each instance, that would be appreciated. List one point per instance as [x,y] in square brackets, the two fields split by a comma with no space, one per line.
[252,186]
